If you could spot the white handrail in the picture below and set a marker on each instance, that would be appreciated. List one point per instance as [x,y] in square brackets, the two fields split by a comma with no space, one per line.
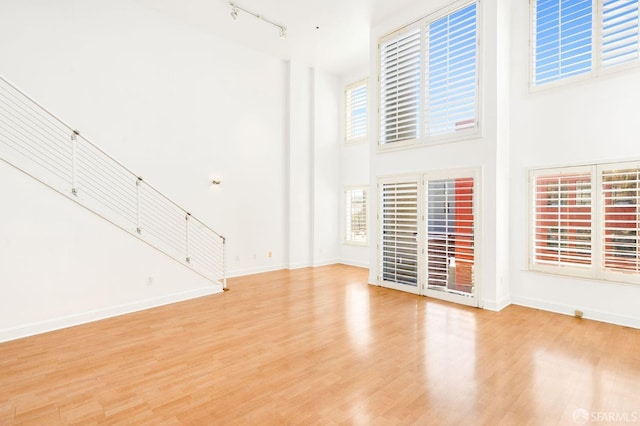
[41,145]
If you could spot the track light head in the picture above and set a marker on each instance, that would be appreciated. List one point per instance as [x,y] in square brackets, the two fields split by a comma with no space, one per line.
[234,12]
[283,33]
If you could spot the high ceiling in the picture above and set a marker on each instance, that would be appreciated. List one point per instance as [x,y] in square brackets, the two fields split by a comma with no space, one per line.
[332,35]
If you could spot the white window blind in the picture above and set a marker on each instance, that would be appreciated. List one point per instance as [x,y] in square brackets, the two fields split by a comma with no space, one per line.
[452,72]
[429,78]
[562,219]
[399,229]
[450,234]
[356,111]
[563,39]
[356,215]
[620,220]
[586,221]
[400,87]
[619,32]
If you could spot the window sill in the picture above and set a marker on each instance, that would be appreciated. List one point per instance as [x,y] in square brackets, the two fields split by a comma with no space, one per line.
[355,243]
[607,278]
[462,136]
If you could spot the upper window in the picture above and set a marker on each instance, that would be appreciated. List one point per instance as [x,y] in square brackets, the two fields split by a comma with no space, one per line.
[429,79]
[356,215]
[356,111]
[582,37]
[586,221]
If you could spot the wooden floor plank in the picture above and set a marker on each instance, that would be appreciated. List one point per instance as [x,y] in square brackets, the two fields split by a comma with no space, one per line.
[321,346]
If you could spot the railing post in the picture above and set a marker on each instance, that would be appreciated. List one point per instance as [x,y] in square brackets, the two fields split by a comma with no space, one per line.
[138,185]
[186,218]
[224,264]
[74,161]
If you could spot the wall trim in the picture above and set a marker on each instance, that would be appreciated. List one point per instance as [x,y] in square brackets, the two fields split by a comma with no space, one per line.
[590,314]
[326,262]
[297,265]
[256,270]
[54,324]
[352,262]
[497,306]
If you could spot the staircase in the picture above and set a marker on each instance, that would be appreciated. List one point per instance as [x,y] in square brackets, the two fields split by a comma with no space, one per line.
[39,144]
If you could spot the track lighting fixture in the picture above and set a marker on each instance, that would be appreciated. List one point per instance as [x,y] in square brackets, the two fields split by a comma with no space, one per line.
[234,14]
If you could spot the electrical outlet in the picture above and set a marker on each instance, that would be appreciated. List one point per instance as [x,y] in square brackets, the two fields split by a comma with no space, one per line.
[578,314]
[149,280]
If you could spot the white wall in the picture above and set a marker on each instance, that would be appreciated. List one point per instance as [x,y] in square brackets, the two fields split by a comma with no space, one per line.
[583,123]
[300,166]
[326,168]
[313,167]
[61,265]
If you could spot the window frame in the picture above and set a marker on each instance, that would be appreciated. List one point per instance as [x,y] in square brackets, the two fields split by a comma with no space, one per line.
[596,270]
[423,139]
[533,218]
[347,213]
[421,181]
[597,68]
[347,112]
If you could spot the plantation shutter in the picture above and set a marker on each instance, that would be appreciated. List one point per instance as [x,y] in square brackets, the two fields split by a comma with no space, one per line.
[562,231]
[356,206]
[563,31]
[619,31]
[399,229]
[356,110]
[452,75]
[450,234]
[400,87]
[620,220]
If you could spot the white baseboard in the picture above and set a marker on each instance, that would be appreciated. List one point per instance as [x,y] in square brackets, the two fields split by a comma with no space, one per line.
[497,306]
[256,270]
[569,310]
[352,262]
[298,265]
[259,270]
[99,314]
[325,262]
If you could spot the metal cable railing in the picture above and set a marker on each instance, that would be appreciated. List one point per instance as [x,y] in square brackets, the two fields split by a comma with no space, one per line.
[44,147]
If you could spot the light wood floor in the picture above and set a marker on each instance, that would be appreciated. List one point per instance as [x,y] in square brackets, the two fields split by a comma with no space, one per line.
[320,346]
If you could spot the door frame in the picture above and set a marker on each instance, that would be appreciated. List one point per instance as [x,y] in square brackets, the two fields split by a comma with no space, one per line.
[421,179]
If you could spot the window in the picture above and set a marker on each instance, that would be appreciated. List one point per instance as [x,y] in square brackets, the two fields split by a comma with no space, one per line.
[562,225]
[619,42]
[580,37]
[620,220]
[429,79]
[356,215]
[356,111]
[586,221]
